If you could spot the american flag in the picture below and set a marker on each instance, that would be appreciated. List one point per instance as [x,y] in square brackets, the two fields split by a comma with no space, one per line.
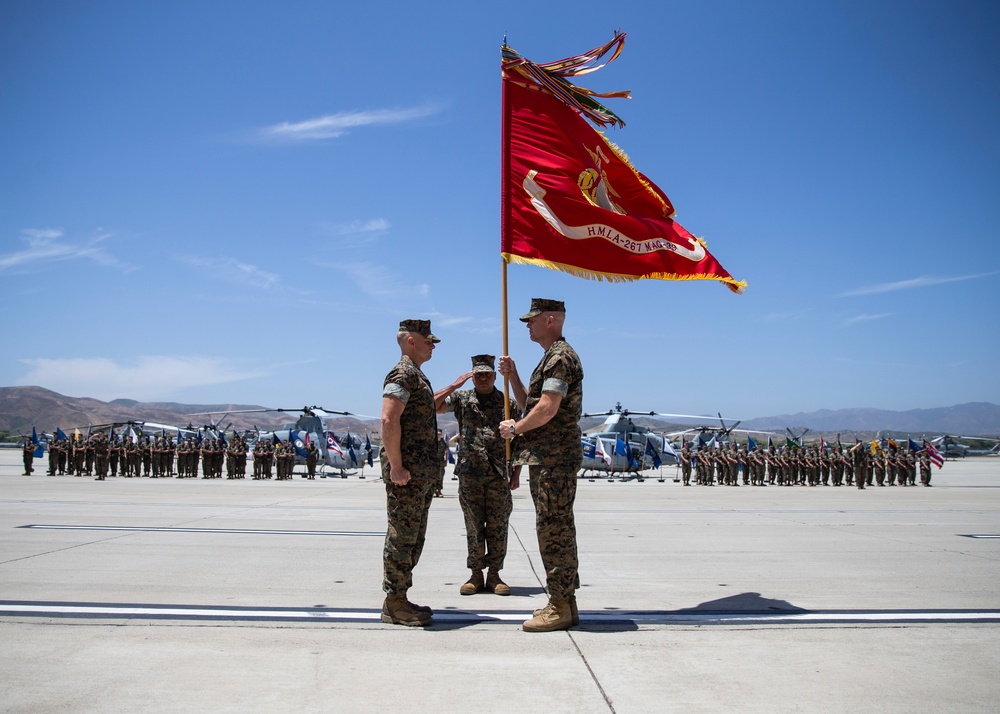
[933,453]
[332,445]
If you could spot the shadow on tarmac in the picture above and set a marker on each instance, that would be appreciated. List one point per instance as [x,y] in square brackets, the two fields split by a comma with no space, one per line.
[744,602]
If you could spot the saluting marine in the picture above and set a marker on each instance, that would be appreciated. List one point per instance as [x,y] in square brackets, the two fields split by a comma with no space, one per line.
[483,483]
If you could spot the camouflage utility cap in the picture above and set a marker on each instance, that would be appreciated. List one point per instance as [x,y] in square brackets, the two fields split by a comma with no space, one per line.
[419,327]
[540,305]
[483,363]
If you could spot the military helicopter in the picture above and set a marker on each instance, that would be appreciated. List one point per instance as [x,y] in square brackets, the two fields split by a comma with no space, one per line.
[139,428]
[951,446]
[623,447]
[719,435]
[797,438]
[347,452]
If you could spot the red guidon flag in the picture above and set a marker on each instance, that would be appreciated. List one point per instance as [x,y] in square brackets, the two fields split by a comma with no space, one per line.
[572,201]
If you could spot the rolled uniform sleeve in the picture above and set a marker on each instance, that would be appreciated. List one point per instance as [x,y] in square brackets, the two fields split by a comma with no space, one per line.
[393,389]
[556,386]
[556,442]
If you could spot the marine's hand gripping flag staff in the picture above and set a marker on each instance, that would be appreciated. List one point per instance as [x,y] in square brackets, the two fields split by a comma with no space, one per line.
[571,199]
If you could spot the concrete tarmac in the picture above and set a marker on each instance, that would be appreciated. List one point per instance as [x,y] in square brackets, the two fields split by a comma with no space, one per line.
[188,595]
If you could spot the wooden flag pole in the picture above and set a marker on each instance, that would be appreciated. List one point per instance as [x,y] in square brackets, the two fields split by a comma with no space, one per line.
[506,379]
[505,226]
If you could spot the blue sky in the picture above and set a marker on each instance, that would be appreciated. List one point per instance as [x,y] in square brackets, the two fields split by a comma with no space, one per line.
[238,201]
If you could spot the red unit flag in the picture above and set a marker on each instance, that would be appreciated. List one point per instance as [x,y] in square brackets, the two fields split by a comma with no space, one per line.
[572,199]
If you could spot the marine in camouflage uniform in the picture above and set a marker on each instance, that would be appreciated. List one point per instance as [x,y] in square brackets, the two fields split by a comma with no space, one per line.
[79,454]
[483,483]
[859,461]
[145,455]
[156,457]
[312,457]
[547,439]
[55,447]
[409,459]
[701,463]
[258,460]
[114,457]
[268,458]
[288,459]
[205,454]
[89,454]
[102,449]
[64,449]
[837,466]
[824,466]
[925,467]
[231,452]
[685,459]
[879,464]
[28,455]
[241,457]
[442,447]
[168,457]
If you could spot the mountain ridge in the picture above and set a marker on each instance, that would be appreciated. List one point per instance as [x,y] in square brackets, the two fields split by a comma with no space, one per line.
[21,408]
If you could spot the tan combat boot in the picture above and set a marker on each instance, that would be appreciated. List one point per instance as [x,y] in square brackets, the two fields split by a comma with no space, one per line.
[574,613]
[420,608]
[474,585]
[495,585]
[554,616]
[396,610]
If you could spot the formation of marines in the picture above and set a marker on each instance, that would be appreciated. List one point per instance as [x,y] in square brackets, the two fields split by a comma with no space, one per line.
[731,465]
[809,466]
[156,457]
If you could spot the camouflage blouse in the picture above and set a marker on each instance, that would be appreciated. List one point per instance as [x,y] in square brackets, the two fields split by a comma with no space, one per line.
[556,443]
[418,423]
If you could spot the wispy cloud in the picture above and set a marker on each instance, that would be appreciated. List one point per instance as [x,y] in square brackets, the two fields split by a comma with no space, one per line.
[358,232]
[451,320]
[150,377]
[921,282]
[48,245]
[380,282]
[333,126]
[233,270]
[866,318]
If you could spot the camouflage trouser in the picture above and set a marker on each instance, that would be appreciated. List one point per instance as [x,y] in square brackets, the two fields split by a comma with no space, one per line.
[406,511]
[486,503]
[553,490]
